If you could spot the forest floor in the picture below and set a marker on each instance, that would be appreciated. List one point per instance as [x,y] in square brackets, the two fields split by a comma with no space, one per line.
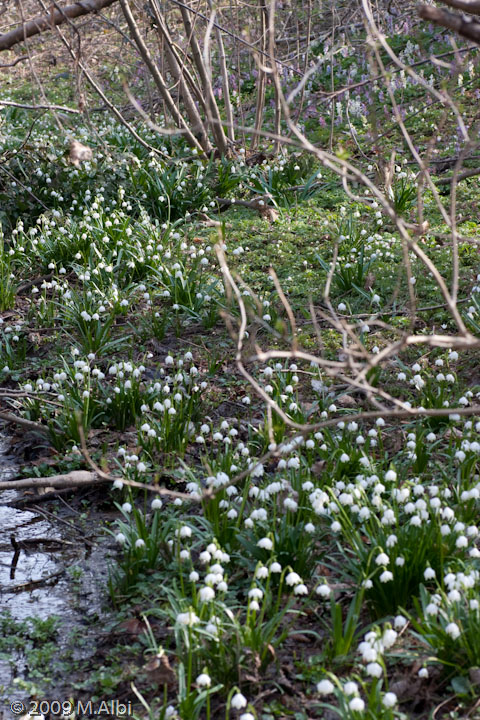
[338,571]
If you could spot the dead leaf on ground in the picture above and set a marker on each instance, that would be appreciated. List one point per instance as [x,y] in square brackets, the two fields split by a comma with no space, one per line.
[453,431]
[474,675]
[318,468]
[405,688]
[79,153]
[369,281]
[269,213]
[132,626]
[302,639]
[160,670]
[45,460]
[257,159]
[208,221]
[346,401]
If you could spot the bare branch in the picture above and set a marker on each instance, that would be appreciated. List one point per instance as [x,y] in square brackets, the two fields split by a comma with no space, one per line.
[29,424]
[22,58]
[161,84]
[61,108]
[466,28]
[469,6]
[47,22]
[462,176]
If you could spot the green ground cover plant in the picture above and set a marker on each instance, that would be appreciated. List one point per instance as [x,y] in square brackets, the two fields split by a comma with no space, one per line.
[280,570]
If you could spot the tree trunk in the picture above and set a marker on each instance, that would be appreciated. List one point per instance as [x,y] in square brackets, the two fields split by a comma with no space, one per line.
[159,80]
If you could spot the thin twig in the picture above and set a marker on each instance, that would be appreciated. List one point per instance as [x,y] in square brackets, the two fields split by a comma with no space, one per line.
[62,108]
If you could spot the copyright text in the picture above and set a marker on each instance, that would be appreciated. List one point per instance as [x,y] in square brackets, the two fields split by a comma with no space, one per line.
[71,708]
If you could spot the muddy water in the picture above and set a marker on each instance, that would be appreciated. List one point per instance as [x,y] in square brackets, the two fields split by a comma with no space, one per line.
[47,568]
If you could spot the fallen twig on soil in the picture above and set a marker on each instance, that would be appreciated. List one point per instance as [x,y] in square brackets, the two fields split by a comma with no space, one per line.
[30,583]
[31,501]
[29,424]
[463,176]
[36,281]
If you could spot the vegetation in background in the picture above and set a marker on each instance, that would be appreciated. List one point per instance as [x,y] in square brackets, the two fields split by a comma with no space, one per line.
[326,581]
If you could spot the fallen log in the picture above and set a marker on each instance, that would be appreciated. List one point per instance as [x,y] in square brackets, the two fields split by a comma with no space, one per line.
[84,478]
[76,478]
[29,424]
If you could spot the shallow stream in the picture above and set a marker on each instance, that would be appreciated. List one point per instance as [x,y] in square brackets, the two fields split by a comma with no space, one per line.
[49,566]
